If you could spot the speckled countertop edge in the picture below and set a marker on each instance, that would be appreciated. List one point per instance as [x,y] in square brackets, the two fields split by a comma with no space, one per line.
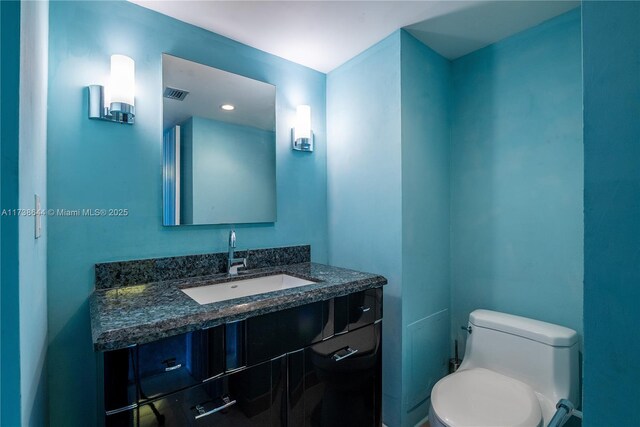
[138,314]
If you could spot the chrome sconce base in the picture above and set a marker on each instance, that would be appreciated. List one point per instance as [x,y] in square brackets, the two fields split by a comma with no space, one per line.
[302,144]
[117,112]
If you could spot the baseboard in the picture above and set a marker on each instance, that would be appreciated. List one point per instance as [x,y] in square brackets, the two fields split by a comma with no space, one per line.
[422,421]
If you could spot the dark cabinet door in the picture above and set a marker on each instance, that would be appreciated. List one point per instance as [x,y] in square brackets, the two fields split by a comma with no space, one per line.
[178,362]
[356,310]
[120,391]
[248,398]
[139,374]
[337,382]
[341,314]
[201,378]
[274,334]
[365,307]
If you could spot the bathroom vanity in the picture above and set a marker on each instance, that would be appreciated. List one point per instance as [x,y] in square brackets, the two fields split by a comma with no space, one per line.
[308,355]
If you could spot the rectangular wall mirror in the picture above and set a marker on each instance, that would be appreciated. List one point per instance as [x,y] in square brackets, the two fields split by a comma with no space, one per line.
[219,149]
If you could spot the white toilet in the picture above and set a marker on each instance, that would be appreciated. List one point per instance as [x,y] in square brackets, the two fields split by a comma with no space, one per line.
[513,373]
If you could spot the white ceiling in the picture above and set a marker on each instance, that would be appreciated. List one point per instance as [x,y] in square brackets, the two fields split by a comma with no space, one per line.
[461,32]
[325,34]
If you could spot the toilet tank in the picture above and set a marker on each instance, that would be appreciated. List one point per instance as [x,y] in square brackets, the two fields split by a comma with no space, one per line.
[543,355]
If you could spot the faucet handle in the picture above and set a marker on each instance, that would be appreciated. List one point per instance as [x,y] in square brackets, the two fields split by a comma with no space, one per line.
[235,264]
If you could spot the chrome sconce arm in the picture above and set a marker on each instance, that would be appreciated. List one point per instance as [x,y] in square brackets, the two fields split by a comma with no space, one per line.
[118,112]
[302,144]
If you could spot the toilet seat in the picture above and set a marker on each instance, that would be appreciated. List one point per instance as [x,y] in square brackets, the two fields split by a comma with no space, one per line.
[483,398]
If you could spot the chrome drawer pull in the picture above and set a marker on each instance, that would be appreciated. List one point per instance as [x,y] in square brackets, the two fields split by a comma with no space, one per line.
[365,309]
[173,368]
[350,352]
[117,411]
[204,413]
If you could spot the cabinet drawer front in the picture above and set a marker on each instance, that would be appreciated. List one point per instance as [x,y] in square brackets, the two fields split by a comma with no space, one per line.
[120,391]
[272,335]
[245,398]
[341,314]
[181,361]
[342,380]
[365,307]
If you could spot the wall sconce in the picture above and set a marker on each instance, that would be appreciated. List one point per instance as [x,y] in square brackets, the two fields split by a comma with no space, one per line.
[115,103]
[301,135]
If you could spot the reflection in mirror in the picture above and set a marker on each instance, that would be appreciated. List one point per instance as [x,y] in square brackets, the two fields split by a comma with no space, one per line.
[218,146]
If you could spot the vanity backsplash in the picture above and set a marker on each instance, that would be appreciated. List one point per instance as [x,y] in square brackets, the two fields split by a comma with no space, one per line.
[134,272]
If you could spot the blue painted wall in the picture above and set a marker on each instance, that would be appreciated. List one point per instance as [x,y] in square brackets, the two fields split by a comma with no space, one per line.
[612,212]
[389,113]
[365,188]
[426,94]
[23,258]
[34,36]
[245,160]
[9,291]
[517,177]
[388,179]
[93,164]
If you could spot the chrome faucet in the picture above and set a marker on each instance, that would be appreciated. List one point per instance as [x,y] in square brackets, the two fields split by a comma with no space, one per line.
[234,263]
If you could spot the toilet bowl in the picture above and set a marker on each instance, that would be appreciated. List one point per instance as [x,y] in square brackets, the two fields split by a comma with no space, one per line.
[514,371]
[482,398]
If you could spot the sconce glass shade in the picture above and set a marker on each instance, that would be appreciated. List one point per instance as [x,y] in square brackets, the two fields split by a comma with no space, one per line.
[303,122]
[115,101]
[302,135]
[122,84]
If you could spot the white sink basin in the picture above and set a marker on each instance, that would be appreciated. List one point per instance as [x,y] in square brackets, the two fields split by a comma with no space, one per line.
[243,288]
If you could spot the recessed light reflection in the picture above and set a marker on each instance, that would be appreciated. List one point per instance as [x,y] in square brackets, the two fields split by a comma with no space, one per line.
[227,107]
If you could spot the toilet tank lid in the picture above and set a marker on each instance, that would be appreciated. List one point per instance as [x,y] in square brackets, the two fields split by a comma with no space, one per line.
[547,333]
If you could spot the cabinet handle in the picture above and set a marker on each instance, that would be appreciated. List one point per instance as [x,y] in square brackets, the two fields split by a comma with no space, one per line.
[204,413]
[125,408]
[173,368]
[365,309]
[350,352]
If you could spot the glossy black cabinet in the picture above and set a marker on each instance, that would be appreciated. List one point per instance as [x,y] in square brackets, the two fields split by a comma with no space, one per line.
[337,382]
[146,372]
[341,314]
[274,334]
[356,310]
[364,308]
[178,362]
[250,397]
[120,389]
[313,365]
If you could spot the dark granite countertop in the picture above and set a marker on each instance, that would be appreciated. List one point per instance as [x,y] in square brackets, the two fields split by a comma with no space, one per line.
[137,314]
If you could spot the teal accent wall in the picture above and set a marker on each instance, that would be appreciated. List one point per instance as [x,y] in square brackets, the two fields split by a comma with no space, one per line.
[95,164]
[426,124]
[365,189]
[23,258]
[461,183]
[388,174]
[517,177]
[483,155]
[231,169]
[34,37]
[611,49]
[9,289]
